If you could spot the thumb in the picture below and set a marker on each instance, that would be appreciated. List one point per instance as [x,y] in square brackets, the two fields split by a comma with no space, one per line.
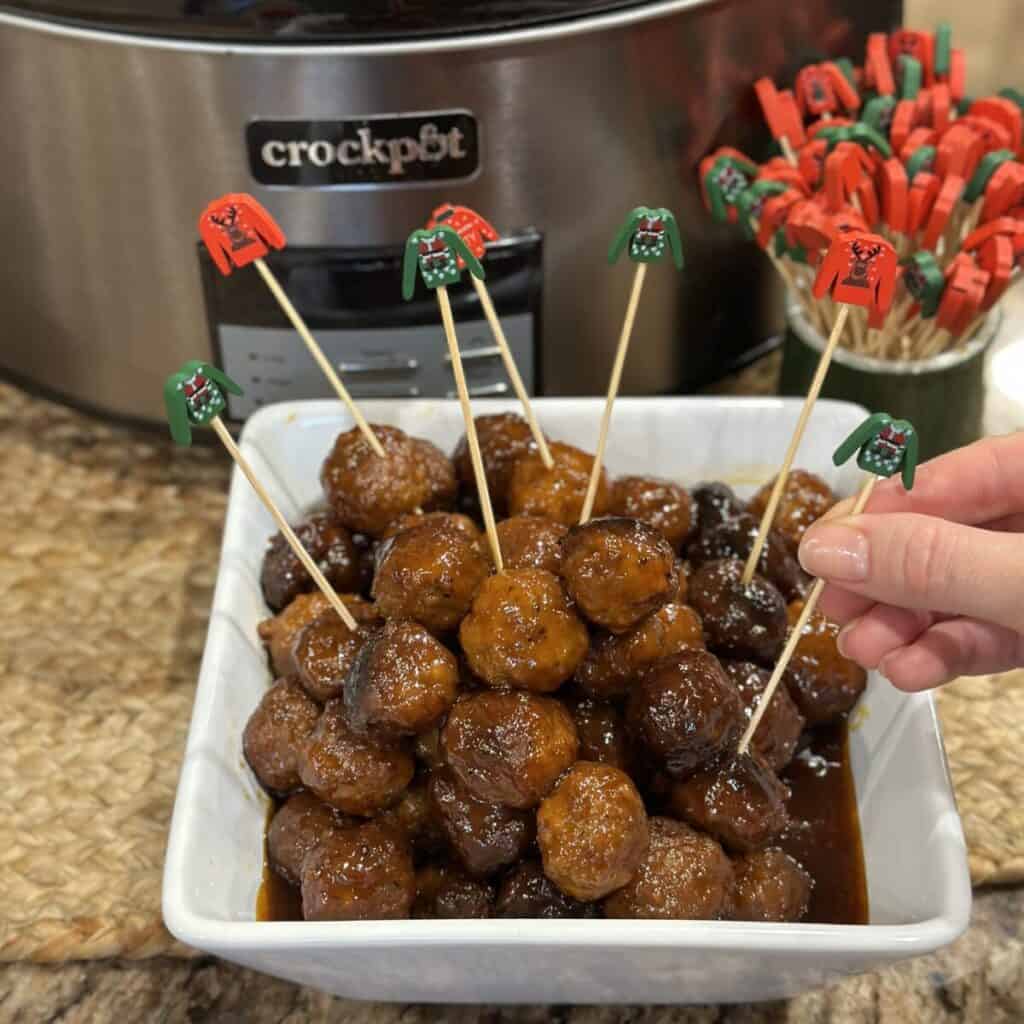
[921,562]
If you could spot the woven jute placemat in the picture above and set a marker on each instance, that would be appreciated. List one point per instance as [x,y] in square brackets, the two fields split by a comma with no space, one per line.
[108,549]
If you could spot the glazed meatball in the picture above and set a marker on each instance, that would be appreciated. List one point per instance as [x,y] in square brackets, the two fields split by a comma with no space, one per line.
[325,650]
[557,493]
[443,891]
[402,680]
[741,803]
[661,504]
[602,733]
[618,571]
[715,503]
[504,438]
[429,573]
[278,633]
[277,732]
[358,773]
[414,817]
[613,662]
[283,577]
[368,493]
[805,498]
[509,747]
[521,631]
[685,711]
[456,519]
[780,727]
[592,831]
[735,539]
[299,825]
[358,874]
[739,622]
[486,837]
[684,875]
[527,892]
[769,886]
[823,684]
[531,542]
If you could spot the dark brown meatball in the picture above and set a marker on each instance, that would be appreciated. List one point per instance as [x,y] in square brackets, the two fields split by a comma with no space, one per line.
[278,633]
[527,892]
[504,438]
[735,539]
[769,886]
[325,649]
[741,803]
[714,503]
[359,874]
[444,891]
[557,493]
[359,773]
[685,711]
[276,733]
[805,498]
[592,831]
[823,684]
[486,837]
[368,493]
[602,733]
[509,747]
[613,663]
[684,875]
[780,727]
[456,519]
[299,825]
[413,815]
[429,573]
[531,542]
[659,503]
[283,577]
[739,622]
[618,571]
[521,631]
[402,680]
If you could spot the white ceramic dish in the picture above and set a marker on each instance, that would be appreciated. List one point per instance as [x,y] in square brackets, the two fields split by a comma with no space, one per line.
[918,883]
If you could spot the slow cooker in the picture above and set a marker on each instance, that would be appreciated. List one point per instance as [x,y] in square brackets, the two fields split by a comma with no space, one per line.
[350,121]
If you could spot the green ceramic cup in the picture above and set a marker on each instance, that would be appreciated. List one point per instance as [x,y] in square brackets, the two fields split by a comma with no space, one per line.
[943,396]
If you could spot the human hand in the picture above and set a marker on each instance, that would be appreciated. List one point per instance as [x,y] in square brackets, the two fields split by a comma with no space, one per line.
[929,584]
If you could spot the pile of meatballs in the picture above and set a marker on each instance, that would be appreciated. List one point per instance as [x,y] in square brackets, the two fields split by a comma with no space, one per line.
[555,740]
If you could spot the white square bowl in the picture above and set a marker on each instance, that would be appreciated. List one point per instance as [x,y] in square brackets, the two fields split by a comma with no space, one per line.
[919,889]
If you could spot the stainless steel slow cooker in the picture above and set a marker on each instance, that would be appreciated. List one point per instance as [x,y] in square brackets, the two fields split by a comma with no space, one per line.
[350,122]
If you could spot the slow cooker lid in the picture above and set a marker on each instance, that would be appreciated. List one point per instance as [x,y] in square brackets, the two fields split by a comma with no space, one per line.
[327,21]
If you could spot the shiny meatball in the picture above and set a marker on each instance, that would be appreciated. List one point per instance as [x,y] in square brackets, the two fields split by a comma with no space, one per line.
[456,519]
[822,683]
[769,886]
[278,633]
[685,711]
[509,747]
[443,891]
[661,504]
[531,542]
[325,650]
[592,831]
[357,773]
[299,825]
[715,503]
[618,571]
[504,438]
[613,663]
[429,573]
[413,816]
[805,498]
[741,803]
[521,631]
[557,493]
[739,622]
[328,543]
[779,730]
[277,732]
[735,539]
[368,492]
[527,892]
[602,733]
[359,874]
[402,680]
[486,837]
[684,875]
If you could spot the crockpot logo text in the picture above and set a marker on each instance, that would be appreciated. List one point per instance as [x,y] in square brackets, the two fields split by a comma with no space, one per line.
[386,150]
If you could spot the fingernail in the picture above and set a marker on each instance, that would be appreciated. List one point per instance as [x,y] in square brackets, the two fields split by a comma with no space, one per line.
[843,633]
[835,553]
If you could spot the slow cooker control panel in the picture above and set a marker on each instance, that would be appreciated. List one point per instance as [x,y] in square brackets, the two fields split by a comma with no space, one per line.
[382,347]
